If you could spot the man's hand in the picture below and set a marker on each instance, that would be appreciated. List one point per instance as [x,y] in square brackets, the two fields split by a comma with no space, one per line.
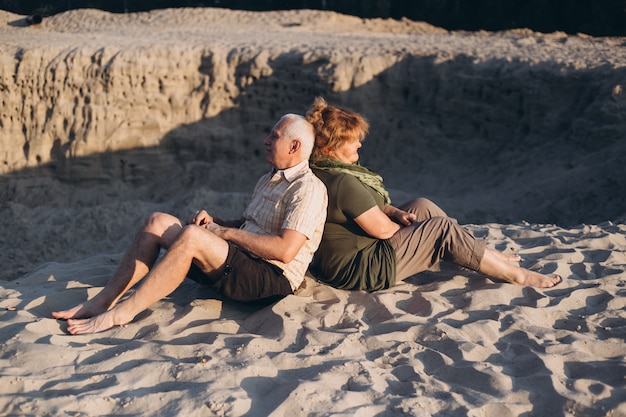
[201,218]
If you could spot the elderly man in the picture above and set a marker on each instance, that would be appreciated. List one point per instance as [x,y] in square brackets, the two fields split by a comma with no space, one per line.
[261,257]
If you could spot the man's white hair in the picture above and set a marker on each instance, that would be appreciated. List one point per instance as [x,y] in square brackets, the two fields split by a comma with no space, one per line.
[299,128]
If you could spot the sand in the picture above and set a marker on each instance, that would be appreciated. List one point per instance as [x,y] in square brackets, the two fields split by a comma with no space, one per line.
[106,118]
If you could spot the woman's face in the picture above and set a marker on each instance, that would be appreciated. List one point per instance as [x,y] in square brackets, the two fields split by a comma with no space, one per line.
[348,152]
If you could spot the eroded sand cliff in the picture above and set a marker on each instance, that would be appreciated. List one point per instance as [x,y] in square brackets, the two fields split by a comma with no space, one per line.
[106,117]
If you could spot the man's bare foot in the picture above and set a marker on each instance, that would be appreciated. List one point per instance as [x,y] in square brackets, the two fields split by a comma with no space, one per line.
[535,279]
[99,323]
[81,311]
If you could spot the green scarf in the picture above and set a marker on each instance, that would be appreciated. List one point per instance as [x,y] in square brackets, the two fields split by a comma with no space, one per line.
[367,177]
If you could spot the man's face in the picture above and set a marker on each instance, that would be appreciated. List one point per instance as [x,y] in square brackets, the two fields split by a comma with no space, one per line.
[277,147]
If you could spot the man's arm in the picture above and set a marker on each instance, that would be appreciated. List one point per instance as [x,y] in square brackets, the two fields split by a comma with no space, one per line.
[283,247]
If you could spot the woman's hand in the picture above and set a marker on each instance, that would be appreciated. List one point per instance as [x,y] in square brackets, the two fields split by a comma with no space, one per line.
[403,218]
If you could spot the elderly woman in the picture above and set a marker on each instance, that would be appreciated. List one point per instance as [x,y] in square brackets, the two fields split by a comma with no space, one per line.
[368,244]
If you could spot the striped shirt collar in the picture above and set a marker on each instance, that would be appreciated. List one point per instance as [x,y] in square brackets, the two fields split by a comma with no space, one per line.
[290,173]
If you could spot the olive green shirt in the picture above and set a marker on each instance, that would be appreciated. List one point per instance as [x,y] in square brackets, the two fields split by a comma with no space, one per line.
[348,258]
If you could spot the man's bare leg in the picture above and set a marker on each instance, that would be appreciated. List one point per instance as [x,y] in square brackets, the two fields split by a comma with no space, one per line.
[494,266]
[193,243]
[158,231]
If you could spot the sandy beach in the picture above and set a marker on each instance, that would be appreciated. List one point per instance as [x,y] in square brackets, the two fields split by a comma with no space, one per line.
[519,135]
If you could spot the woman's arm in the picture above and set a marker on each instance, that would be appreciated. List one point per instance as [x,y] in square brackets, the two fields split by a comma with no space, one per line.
[377,224]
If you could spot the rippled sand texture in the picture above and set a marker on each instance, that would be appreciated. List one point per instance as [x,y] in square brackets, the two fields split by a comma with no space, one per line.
[450,342]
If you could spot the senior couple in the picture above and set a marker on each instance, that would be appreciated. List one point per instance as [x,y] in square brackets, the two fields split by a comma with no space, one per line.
[317,208]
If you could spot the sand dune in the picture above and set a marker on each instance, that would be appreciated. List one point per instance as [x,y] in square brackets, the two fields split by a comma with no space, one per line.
[106,118]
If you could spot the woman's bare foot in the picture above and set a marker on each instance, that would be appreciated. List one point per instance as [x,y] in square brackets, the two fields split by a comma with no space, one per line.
[535,279]
[493,265]
[99,323]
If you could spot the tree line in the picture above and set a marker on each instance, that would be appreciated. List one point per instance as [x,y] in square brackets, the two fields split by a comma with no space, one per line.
[592,17]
